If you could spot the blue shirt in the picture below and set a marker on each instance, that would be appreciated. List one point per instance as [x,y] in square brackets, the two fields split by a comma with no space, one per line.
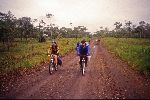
[83,50]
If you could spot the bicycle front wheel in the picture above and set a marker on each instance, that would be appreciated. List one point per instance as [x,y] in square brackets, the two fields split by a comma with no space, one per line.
[83,68]
[50,68]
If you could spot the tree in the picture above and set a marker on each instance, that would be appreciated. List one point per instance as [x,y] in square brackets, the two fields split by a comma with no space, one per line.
[50,26]
[128,27]
[41,31]
[7,28]
[118,26]
[118,29]
[147,30]
[141,28]
[63,31]
[49,15]
[101,30]
[25,26]
[70,24]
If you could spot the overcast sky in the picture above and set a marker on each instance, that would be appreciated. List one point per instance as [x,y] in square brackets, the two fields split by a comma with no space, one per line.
[89,13]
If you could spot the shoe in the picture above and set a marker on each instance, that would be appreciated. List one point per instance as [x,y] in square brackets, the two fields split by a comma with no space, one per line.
[56,67]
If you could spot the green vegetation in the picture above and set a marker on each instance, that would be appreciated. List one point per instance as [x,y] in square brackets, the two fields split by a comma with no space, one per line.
[24,44]
[27,54]
[126,29]
[25,28]
[135,51]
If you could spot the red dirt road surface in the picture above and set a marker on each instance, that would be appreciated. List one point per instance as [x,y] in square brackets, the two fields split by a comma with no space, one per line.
[106,76]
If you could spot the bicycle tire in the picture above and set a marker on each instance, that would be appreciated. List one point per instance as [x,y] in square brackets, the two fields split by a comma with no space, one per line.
[50,68]
[83,68]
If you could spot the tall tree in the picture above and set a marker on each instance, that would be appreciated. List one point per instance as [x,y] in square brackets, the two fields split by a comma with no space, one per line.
[147,29]
[141,28]
[26,27]
[117,26]
[7,28]
[128,27]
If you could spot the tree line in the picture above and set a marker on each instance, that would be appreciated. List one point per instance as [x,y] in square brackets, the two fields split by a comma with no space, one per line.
[24,28]
[128,30]
[14,29]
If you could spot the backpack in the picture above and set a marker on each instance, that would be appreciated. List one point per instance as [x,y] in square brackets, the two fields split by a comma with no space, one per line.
[59,60]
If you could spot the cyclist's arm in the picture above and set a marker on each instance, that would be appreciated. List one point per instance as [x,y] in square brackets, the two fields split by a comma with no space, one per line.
[57,50]
[88,51]
[48,51]
[78,50]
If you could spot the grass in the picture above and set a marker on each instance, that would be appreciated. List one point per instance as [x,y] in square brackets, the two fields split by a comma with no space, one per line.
[28,54]
[135,51]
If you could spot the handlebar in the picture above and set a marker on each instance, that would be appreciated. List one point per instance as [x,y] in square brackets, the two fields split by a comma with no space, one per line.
[83,55]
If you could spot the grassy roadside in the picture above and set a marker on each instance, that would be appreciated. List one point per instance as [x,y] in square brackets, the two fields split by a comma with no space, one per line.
[135,51]
[27,54]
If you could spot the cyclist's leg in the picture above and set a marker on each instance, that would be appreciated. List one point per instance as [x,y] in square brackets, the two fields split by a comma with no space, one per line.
[55,57]
[86,59]
[81,61]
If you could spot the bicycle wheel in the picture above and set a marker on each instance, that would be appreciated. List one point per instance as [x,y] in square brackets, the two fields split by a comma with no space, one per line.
[83,68]
[50,68]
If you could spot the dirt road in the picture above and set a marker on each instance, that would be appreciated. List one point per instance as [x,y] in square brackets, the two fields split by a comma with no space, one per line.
[106,77]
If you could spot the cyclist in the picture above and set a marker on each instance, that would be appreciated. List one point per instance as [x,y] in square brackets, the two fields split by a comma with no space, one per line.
[55,51]
[84,50]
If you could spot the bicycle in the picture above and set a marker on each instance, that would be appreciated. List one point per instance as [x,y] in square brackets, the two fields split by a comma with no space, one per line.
[52,65]
[83,64]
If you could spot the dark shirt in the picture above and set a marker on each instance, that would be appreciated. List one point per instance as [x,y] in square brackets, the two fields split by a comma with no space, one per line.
[54,49]
[83,50]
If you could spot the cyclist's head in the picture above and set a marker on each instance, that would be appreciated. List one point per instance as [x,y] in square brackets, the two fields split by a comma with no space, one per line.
[54,43]
[83,42]
[78,43]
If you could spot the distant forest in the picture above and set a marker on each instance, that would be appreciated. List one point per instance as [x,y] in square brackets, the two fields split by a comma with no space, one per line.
[128,30]
[24,28]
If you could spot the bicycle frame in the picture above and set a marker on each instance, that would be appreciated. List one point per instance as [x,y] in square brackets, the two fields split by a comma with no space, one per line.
[52,59]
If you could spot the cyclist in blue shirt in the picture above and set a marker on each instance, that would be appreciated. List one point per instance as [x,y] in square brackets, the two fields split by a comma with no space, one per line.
[84,51]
